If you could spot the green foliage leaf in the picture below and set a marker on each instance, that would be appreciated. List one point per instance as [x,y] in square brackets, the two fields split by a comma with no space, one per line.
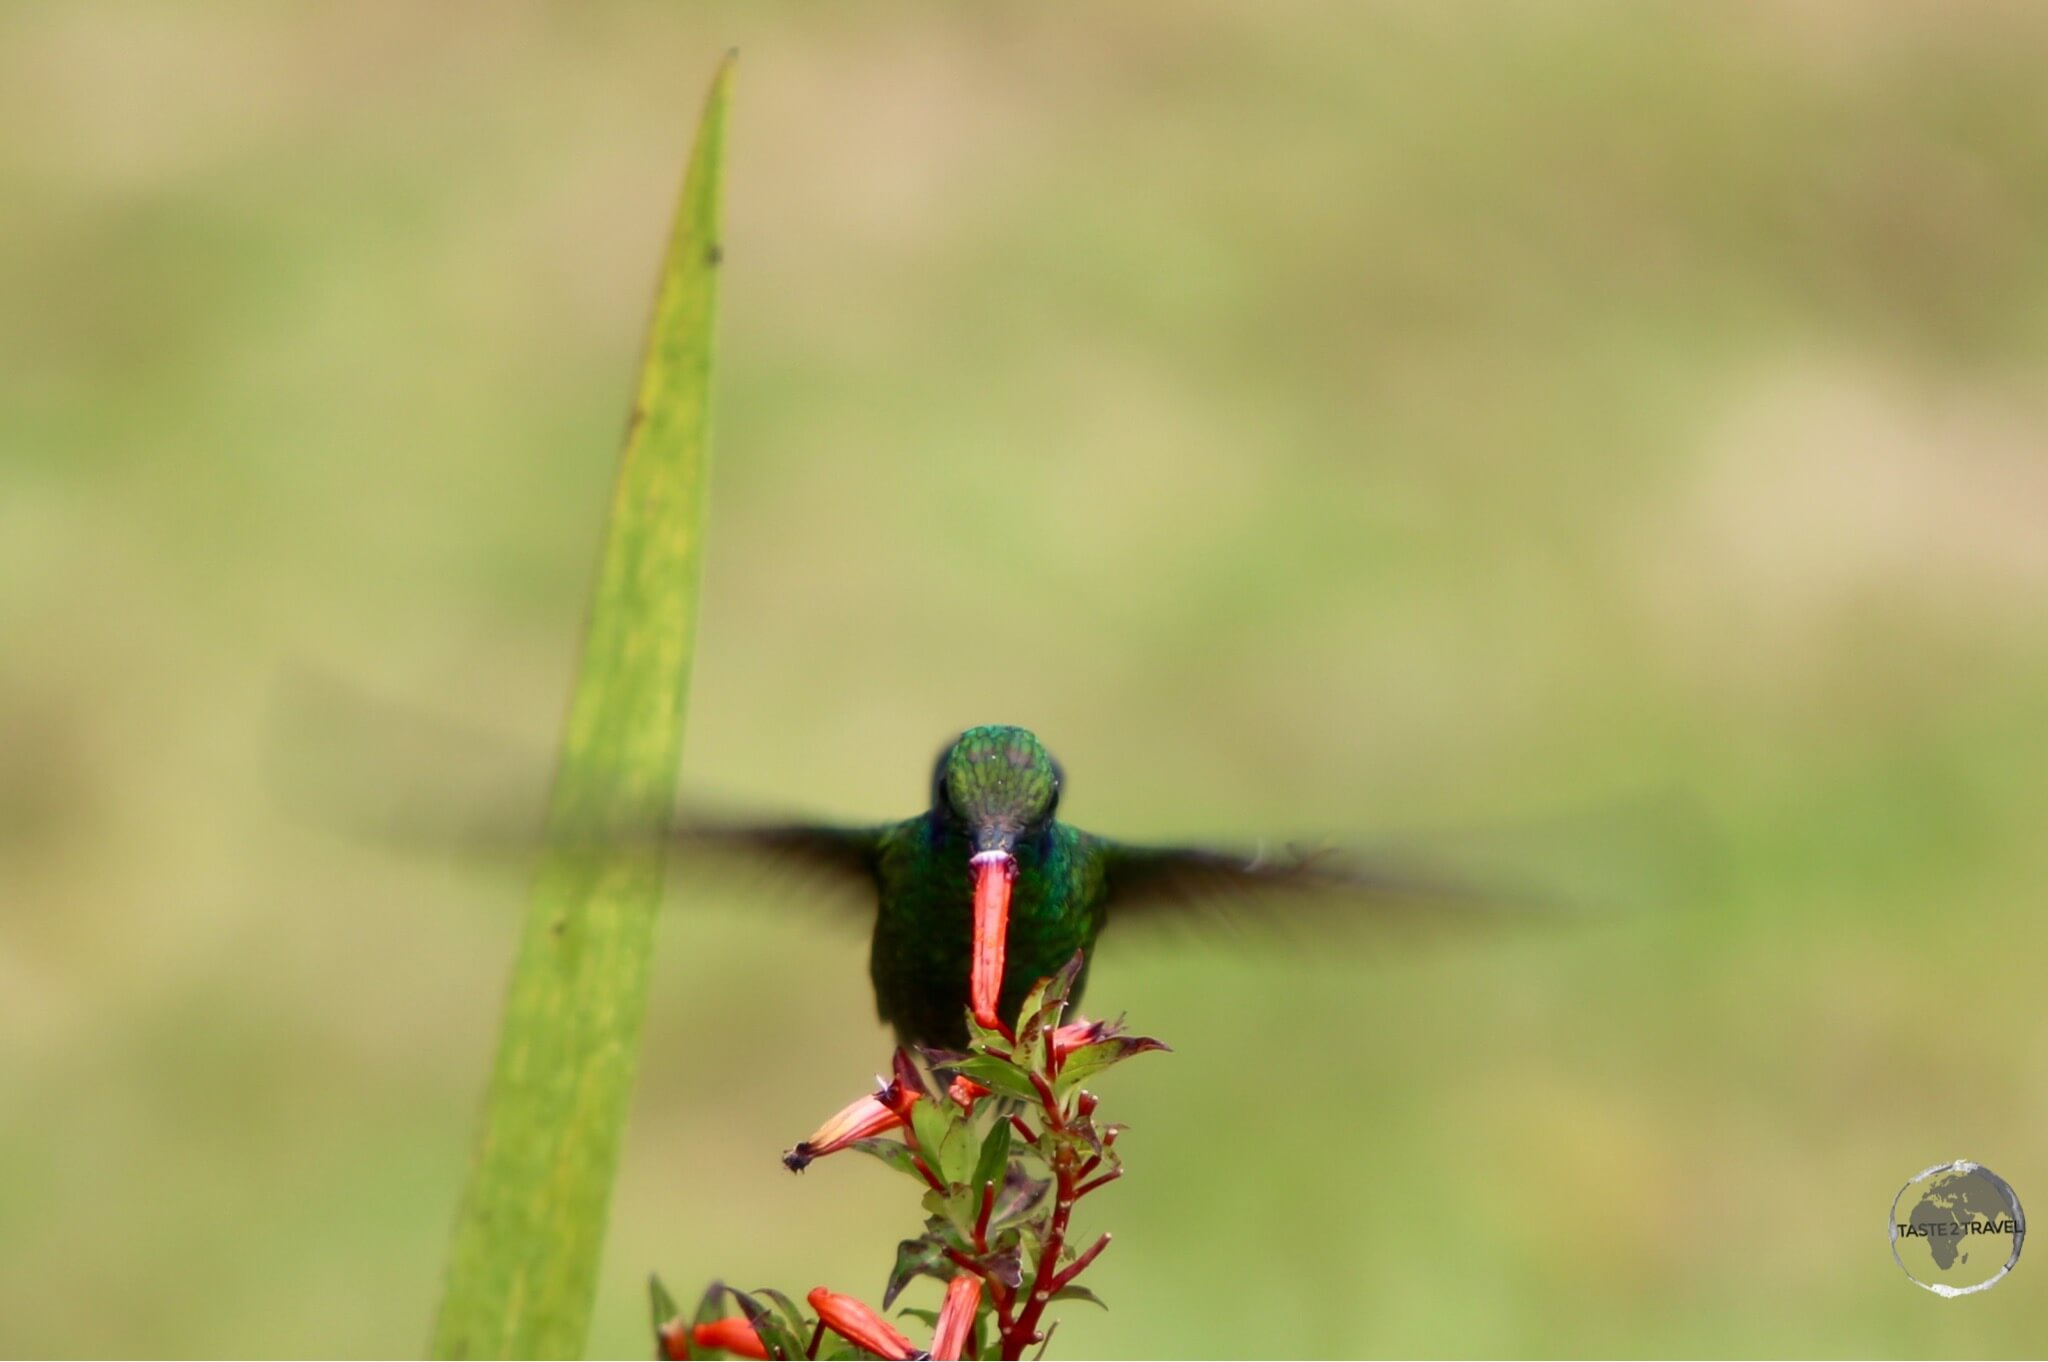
[995,1158]
[956,1153]
[944,1138]
[796,1322]
[1019,1195]
[772,1328]
[1005,1262]
[923,1256]
[982,1039]
[1090,1060]
[522,1271]
[711,1305]
[1079,1293]
[984,1318]
[1062,986]
[662,1305]
[998,1076]
[1038,1018]
[954,1207]
[1027,1239]
[895,1153]
[929,1122]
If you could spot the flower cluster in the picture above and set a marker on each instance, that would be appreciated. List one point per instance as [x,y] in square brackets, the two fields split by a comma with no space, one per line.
[1004,1142]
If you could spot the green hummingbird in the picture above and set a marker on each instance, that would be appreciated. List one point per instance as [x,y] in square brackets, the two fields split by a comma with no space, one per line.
[988,863]
[992,852]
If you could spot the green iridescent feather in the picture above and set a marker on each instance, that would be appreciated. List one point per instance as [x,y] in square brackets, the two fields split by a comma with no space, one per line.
[924,922]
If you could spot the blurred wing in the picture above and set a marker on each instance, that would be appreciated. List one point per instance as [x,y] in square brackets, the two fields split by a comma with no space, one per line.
[400,778]
[805,862]
[1295,890]
[712,861]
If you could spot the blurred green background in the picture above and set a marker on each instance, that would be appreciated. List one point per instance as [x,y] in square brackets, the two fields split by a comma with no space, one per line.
[1324,417]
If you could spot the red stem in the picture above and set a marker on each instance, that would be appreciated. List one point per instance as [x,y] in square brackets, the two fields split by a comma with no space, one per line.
[1005,1304]
[1024,1332]
[1111,1176]
[1059,1283]
[988,1205]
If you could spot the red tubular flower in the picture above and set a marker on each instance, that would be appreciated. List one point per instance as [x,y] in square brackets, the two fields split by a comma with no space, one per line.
[876,1114]
[899,1097]
[860,1326]
[733,1335]
[1075,1034]
[956,1317]
[860,1119]
[993,871]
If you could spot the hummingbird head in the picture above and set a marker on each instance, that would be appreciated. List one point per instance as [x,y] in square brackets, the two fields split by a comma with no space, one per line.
[1003,785]
[1000,782]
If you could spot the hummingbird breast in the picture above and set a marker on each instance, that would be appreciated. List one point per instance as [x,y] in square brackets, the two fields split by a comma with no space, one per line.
[924,925]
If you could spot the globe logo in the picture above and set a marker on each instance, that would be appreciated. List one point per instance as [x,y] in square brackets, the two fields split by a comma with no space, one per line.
[1957,1228]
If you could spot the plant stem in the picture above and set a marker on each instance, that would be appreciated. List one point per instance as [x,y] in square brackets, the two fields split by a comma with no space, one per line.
[1024,1332]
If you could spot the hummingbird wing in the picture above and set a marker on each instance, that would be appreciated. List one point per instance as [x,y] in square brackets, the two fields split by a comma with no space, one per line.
[817,865]
[396,776]
[1294,888]
[814,862]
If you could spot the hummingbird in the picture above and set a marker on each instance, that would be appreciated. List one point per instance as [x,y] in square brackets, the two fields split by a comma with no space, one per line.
[988,890]
[973,900]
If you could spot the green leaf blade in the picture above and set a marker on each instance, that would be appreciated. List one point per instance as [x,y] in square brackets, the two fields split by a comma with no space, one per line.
[995,1157]
[524,1262]
[1090,1060]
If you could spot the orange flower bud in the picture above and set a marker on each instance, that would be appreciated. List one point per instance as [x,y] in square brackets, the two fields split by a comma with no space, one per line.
[853,1321]
[956,1317]
[733,1335]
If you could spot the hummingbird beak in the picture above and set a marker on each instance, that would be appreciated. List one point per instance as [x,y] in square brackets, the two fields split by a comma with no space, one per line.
[993,871]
